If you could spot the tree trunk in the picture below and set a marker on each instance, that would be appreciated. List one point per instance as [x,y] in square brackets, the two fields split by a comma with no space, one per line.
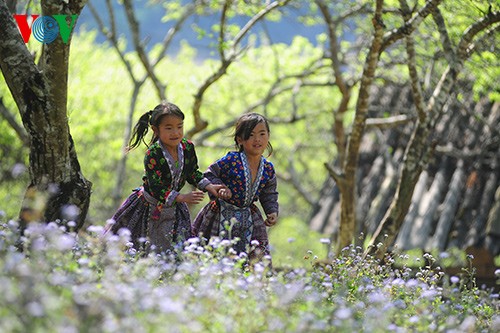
[412,167]
[40,93]
[347,186]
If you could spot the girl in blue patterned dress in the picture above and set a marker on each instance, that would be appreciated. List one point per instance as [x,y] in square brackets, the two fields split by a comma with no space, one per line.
[247,177]
[156,213]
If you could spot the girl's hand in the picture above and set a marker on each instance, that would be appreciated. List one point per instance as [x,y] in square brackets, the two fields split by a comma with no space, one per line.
[214,189]
[225,193]
[194,197]
[271,219]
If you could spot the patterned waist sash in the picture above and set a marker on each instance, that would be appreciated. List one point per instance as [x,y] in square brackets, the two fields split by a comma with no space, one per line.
[148,197]
[159,210]
[236,221]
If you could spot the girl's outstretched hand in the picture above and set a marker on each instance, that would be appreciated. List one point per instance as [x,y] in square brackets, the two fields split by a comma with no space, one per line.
[225,193]
[194,197]
[271,219]
[214,189]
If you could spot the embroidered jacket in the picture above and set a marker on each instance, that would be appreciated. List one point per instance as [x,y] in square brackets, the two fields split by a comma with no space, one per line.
[235,174]
[158,180]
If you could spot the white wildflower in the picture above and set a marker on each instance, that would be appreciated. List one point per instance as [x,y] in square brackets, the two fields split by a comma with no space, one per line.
[65,242]
[343,313]
[35,309]
[110,222]
[17,170]
[97,229]
[168,305]
[193,240]
[376,297]
[70,212]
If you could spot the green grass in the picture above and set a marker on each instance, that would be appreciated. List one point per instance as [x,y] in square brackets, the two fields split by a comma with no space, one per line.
[292,241]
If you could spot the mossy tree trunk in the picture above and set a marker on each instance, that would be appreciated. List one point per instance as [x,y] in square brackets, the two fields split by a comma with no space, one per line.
[58,191]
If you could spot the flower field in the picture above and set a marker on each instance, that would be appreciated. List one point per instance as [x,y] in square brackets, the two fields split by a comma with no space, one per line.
[85,282]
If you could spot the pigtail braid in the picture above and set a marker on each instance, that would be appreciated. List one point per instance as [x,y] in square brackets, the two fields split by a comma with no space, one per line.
[139,132]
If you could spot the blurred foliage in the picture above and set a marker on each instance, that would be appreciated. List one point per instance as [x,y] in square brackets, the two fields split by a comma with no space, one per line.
[14,160]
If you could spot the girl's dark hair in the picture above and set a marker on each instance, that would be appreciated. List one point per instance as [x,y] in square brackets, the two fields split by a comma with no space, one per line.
[152,118]
[244,127]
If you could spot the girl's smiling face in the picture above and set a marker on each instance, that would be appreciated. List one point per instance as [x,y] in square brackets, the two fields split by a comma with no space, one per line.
[257,142]
[170,131]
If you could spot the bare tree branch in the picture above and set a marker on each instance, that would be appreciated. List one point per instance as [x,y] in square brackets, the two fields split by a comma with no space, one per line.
[169,36]
[482,25]
[111,35]
[345,89]
[448,48]
[389,122]
[292,177]
[222,23]
[337,175]
[275,90]
[412,67]
[134,27]
[259,16]
[20,131]
[405,30]
[226,61]
[485,38]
